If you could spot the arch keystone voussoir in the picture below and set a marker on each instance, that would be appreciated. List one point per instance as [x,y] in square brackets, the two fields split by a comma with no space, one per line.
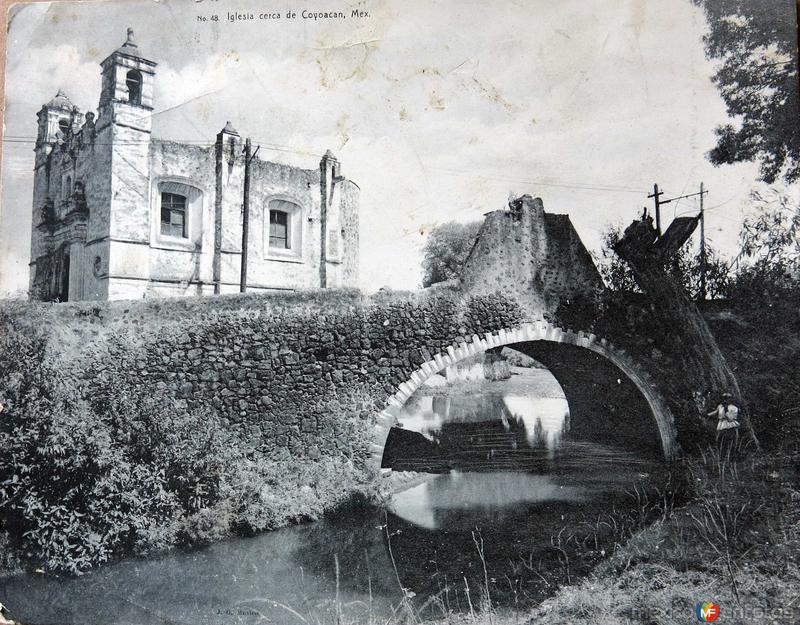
[394,403]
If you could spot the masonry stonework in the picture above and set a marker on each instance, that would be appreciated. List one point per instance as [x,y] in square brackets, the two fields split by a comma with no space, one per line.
[535,256]
[297,373]
[120,214]
[323,372]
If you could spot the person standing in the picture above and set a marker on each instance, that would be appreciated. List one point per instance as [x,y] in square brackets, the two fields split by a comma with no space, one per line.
[728,424]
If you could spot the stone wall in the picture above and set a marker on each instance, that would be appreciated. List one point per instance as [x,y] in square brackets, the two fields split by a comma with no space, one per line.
[532,255]
[299,374]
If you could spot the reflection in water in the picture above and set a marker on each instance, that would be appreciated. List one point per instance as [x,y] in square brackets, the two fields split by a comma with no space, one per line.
[507,425]
[543,418]
[529,481]
[460,500]
[547,415]
[509,468]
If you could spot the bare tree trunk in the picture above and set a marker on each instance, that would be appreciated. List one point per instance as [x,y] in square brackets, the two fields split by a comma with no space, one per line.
[704,367]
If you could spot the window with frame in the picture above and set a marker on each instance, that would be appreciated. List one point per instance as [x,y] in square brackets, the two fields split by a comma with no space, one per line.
[173,215]
[279,229]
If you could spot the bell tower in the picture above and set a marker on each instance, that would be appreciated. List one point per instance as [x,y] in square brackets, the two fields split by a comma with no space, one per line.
[127,86]
[122,133]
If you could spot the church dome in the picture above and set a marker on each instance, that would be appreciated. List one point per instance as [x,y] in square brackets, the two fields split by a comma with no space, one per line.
[61,101]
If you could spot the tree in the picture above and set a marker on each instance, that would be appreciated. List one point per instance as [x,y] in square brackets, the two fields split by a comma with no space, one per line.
[755,44]
[703,367]
[684,268]
[446,250]
[768,263]
[772,234]
[615,271]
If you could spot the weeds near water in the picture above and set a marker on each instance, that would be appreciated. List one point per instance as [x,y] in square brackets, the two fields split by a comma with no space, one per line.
[555,542]
[486,601]
[724,510]
[407,594]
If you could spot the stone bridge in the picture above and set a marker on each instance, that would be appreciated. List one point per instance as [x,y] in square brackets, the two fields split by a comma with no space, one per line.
[323,374]
[599,381]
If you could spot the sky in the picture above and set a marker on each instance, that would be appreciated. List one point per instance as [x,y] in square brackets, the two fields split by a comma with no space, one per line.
[438,109]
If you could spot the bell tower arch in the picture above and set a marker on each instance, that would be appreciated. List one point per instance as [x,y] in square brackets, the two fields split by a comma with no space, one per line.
[127,83]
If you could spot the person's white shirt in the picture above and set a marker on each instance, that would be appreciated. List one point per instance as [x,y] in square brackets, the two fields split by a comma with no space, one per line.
[727,416]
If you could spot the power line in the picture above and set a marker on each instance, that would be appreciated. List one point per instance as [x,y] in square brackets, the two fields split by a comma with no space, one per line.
[202,142]
[564,184]
[18,139]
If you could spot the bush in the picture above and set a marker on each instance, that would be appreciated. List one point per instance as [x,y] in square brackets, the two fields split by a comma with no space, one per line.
[86,476]
[69,492]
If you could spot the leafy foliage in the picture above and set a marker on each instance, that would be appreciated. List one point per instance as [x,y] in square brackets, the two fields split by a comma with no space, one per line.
[84,479]
[756,46]
[768,263]
[772,234]
[446,250]
[615,272]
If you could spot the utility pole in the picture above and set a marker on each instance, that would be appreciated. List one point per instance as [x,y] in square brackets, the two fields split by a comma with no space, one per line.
[702,245]
[656,195]
[245,216]
[246,212]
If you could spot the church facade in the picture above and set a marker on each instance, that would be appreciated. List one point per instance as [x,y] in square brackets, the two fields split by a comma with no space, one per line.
[120,214]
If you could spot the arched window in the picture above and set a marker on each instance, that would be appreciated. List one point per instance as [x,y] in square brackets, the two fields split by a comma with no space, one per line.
[67,187]
[63,126]
[134,84]
[177,215]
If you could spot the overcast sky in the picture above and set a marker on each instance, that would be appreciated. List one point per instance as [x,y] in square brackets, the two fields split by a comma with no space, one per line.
[437,109]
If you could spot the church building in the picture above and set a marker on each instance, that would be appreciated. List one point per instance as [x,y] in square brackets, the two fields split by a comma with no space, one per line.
[120,214]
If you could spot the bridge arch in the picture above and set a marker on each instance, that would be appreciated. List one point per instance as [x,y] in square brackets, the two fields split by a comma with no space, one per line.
[541,333]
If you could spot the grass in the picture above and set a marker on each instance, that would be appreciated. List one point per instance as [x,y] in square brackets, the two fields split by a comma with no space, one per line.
[736,542]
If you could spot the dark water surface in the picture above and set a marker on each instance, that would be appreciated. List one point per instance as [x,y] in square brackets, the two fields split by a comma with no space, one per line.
[510,504]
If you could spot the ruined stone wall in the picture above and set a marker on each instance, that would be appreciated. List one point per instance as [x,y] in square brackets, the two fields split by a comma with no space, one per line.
[567,269]
[532,255]
[297,373]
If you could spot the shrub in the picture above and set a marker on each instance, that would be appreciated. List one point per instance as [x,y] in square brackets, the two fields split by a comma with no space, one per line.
[89,474]
[68,491]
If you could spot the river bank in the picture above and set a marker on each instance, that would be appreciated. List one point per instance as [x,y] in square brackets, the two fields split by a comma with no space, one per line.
[651,564]
[458,542]
[736,543]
